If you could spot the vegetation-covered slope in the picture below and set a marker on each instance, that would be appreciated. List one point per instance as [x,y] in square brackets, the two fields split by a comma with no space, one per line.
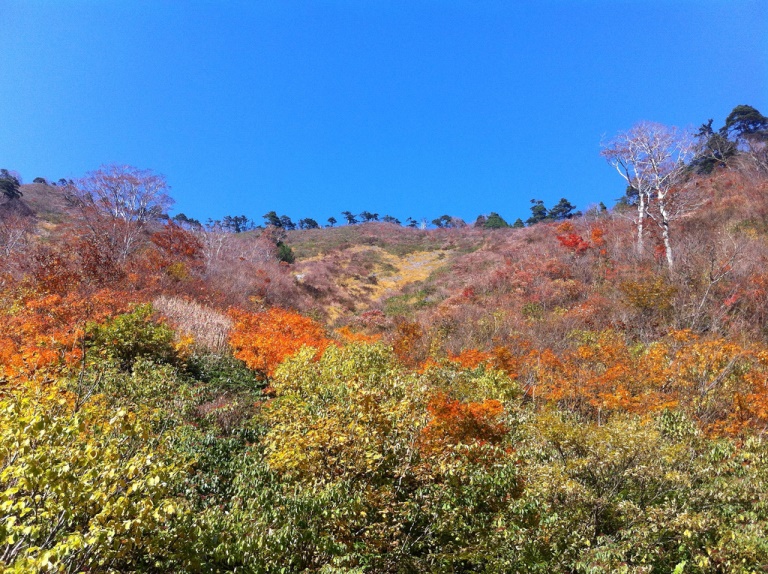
[579,395]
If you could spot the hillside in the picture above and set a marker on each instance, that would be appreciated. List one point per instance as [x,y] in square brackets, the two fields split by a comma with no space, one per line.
[578,395]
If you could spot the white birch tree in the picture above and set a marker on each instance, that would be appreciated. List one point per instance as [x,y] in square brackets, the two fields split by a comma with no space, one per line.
[652,159]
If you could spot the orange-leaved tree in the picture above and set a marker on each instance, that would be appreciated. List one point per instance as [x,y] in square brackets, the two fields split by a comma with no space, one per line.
[264,340]
[455,422]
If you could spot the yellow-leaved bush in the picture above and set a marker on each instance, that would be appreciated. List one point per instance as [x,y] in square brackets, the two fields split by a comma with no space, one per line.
[354,425]
[85,489]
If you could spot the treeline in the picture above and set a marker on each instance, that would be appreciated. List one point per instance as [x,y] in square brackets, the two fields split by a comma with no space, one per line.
[564,209]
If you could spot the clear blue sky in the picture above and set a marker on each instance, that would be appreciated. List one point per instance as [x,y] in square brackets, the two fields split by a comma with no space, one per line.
[412,108]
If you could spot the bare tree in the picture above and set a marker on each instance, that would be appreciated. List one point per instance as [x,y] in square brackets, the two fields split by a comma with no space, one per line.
[652,159]
[117,202]
[14,233]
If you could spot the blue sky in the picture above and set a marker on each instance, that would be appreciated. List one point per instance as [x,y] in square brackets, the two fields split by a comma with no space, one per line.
[411,108]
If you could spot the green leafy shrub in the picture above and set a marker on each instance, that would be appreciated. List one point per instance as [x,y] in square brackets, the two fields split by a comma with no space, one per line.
[131,336]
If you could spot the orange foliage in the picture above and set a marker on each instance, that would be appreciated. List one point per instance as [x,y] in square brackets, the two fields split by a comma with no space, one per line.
[470,358]
[349,336]
[42,333]
[597,235]
[504,360]
[409,343]
[264,340]
[719,383]
[454,422]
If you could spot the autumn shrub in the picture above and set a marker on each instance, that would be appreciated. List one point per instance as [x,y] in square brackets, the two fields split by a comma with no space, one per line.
[86,490]
[178,245]
[242,267]
[43,332]
[52,270]
[347,335]
[410,343]
[342,434]
[263,340]
[454,422]
[132,336]
[633,495]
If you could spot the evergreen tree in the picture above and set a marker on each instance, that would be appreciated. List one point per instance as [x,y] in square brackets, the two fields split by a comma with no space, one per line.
[308,223]
[443,221]
[271,218]
[236,223]
[564,209]
[286,223]
[714,149]
[285,253]
[538,212]
[182,219]
[745,123]
[495,221]
[9,184]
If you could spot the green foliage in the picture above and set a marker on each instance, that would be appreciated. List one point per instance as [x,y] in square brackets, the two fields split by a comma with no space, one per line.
[285,253]
[236,223]
[342,480]
[131,336]
[223,374]
[308,223]
[533,311]
[367,216]
[745,122]
[495,221]
[627,495]
[271,218]
[406,304]
[715,149]
[182,219]
[539,213]
[444,221]
[9,184]
[563,209]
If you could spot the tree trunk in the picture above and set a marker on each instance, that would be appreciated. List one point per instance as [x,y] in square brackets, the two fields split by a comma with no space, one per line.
[640,220]
[665,232]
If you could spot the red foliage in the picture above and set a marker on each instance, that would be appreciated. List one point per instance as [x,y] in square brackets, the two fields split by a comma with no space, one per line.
[177,243]
[571,240]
